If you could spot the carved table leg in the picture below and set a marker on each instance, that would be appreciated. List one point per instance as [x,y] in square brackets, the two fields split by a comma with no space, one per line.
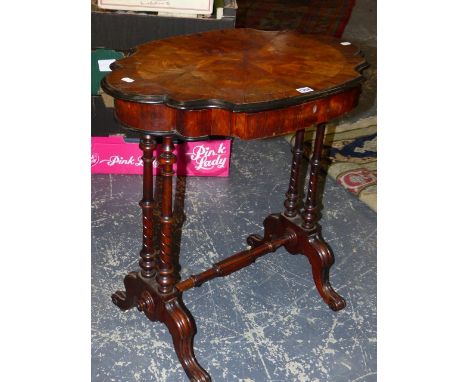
[292,195]
[321,259]
[126,300]
[310,215]
[177,317]
[309,240]
[183,329]
[152,290]
[166,277]
[319,254]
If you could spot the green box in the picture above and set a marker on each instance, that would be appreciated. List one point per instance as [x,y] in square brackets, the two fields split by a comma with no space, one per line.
[96,74]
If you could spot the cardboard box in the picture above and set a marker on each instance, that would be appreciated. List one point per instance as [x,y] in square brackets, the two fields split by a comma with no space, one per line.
[185,7]
[115,155]
[124,30]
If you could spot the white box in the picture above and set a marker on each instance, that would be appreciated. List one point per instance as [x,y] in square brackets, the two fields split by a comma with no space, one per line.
[188,7]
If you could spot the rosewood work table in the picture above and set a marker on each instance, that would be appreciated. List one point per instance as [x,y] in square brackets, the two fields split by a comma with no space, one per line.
[243,83]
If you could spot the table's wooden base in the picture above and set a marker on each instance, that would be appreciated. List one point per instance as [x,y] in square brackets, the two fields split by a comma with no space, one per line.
[308,243]
[155,290]
[169,309]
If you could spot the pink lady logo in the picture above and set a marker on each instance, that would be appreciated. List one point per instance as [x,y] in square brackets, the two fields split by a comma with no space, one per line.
[118,160]
[94,159]
[205,158]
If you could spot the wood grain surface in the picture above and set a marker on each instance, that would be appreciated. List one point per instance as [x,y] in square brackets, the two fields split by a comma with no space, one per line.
[239,67]
[217,83]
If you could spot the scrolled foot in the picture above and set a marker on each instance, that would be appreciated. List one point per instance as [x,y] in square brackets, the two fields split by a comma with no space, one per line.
[321,259]
[127,299]
[337,302]
[123,300]
[182,328]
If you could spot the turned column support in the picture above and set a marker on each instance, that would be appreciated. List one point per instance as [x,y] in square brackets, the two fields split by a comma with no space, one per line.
[166,273]
[292,196]
[147,203]
[310,214]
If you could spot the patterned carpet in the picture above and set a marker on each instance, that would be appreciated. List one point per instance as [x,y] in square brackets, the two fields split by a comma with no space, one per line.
[351,152]
[352,158]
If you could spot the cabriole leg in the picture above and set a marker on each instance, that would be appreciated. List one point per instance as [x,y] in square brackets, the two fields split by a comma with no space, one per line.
[317,251]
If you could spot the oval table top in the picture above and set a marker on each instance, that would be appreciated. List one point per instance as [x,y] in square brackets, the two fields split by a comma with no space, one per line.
[236,71]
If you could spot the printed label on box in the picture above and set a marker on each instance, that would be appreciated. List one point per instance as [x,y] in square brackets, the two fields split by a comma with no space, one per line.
[173,6]
[112,155]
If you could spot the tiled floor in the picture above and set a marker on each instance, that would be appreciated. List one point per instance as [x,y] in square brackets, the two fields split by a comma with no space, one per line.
[263,323]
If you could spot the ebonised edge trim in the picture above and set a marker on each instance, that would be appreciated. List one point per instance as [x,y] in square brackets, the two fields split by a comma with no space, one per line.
[221,104]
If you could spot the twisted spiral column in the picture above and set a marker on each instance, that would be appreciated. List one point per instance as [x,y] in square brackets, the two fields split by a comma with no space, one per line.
[147,203]
[310,215]
[292,196]
[166,276]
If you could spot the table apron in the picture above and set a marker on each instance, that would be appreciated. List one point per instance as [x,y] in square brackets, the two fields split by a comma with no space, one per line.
[160,118]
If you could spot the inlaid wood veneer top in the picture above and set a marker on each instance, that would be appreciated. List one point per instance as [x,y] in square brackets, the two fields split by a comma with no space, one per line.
[236,69]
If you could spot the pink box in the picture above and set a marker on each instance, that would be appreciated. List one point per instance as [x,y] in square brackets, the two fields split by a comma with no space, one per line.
[113,155]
